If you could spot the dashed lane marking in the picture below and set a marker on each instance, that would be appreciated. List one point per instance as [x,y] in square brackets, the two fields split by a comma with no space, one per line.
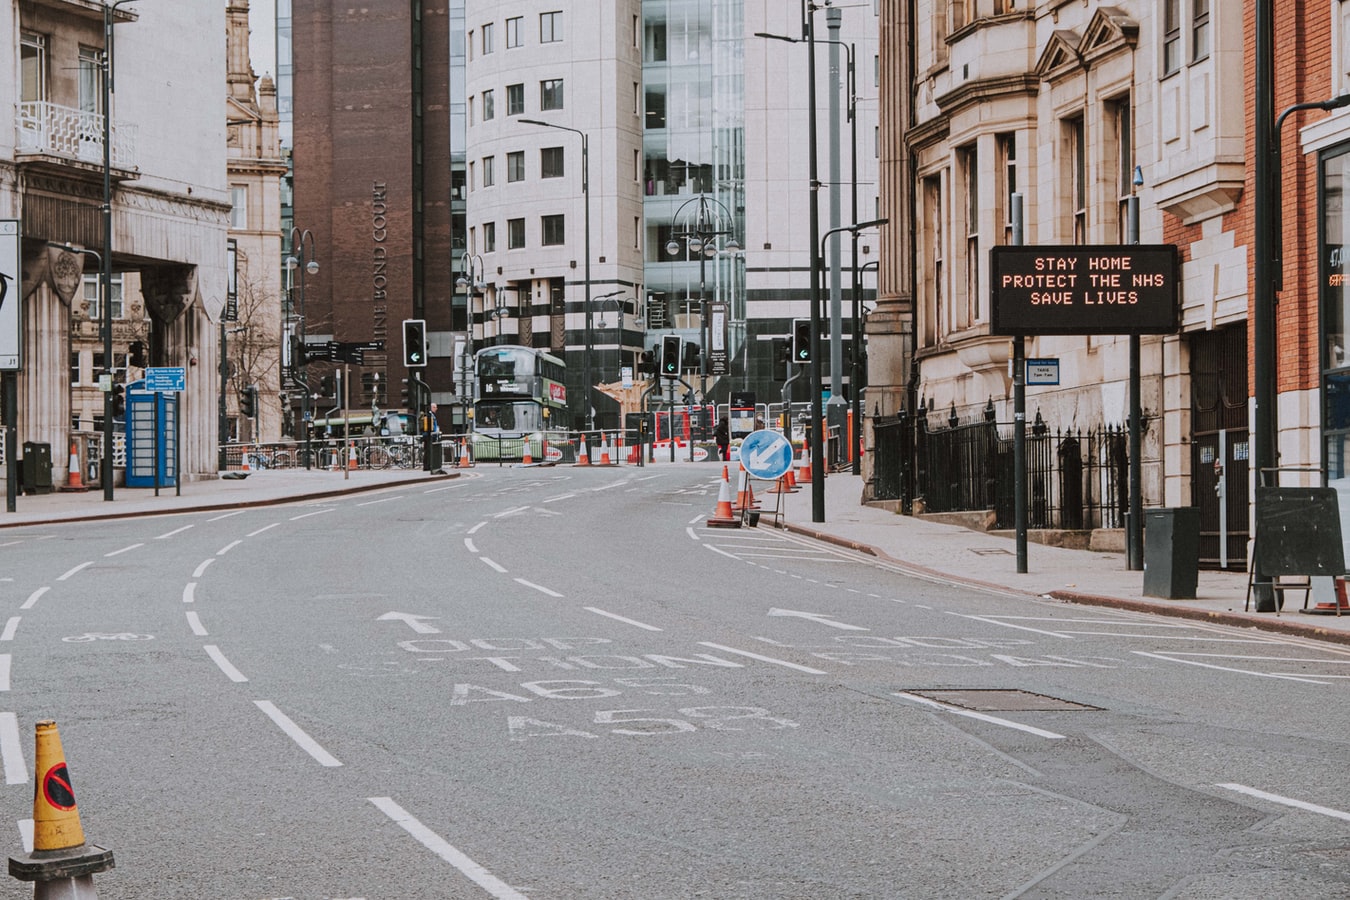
[11,750]
[83,565]
[297,734]
[168,534]
[618,618]
[971,714]
[33,597]
[262,529]
[196,624]
[446,851]
[123,550]
[1287,801]
[768,659]
[225,665]
[538,587]
[197,572]
[226,515]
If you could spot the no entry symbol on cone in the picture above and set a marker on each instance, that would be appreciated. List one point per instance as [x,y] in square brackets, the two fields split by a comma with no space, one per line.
[56,787]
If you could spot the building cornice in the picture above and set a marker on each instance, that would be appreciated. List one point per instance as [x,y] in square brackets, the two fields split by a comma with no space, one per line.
[985,89]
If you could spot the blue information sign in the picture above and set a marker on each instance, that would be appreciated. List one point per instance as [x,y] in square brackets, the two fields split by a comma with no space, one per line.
[766,454]
[166,379]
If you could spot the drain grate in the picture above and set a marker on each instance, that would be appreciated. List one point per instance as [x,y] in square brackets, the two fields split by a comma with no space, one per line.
[1001,700]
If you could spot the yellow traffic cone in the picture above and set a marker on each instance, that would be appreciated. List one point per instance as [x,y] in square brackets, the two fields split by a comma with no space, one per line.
[61,864]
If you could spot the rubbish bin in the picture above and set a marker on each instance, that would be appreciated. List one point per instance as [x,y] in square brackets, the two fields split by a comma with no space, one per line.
[435,456]
[37,468]
[1171,552]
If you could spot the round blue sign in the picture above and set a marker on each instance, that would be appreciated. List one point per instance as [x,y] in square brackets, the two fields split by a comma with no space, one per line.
[766,454]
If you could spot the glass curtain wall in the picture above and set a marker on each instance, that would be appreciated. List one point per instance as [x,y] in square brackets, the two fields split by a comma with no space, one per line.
[694,149]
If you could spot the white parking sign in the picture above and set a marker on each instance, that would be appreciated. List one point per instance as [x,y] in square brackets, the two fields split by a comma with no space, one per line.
[11,293]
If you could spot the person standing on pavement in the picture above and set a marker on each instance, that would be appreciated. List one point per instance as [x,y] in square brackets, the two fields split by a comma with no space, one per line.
[722,435]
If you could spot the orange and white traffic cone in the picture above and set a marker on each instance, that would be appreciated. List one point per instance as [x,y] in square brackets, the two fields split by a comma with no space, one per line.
[61,864]
[604,450]
[805,469]
[745,496]
[74,480]
[526,459]
[351,457]
[723,515]
[584,455]
[465,461]
[248,465]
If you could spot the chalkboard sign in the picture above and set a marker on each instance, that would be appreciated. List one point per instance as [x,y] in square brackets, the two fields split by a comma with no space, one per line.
[1298,532]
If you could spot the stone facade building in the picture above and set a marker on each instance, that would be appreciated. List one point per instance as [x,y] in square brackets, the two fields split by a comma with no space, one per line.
[169,211]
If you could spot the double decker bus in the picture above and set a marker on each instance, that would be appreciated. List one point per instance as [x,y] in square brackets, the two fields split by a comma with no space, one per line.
[521,402]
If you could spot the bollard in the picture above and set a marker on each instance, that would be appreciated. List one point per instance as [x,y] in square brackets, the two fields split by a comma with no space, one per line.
[61,865]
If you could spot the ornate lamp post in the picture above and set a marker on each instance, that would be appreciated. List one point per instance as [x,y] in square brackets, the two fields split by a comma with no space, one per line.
[700,237]
[299,240]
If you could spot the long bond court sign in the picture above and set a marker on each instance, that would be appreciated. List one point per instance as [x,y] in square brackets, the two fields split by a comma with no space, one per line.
[1084,289]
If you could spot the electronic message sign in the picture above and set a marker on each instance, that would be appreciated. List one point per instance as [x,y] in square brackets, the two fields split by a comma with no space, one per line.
[1084,289]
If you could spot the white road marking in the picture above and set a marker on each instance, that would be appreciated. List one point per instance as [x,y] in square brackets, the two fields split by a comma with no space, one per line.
[617,618]
[439,489]
[262,529]
[26,834]
[381,500]
[475,528]
[317,512]
[1288,801]
[819,618]
[10,543]
[511,512]
[438,845]
[992,621]
[971,714]
[33,597]
[196,624]
[168,534]
[226,515]
[5,660]
[197,572]
[689,530]
[83,565]
[228,547]
[225,665]
[492,564]
[189,592]
[767,659]
[11,750]
[538,587]
[468,543]
[297,734]
[10,627]
[557,498]
[724,553]
[414,622]
[123,550]
[1188,662]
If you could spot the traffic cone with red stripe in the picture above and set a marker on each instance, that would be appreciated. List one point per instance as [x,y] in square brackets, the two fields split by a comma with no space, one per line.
[584,456]
[464,459]
[604,450]
[526,459]
[805,468]
[351,456]
[723,516]
[74,481]
[745,496]
[61,865]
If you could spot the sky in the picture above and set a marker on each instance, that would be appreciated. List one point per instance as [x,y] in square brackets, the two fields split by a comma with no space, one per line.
[262,38]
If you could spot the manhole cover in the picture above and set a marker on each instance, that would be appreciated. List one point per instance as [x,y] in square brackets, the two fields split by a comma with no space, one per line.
[990,551]
[1001,700]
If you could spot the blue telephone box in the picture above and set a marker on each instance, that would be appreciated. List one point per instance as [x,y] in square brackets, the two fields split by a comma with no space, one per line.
[152,437]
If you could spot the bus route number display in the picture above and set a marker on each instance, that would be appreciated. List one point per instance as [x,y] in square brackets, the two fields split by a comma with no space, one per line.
[1084,289]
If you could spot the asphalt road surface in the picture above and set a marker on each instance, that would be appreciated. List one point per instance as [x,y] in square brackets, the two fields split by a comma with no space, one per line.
[559,683]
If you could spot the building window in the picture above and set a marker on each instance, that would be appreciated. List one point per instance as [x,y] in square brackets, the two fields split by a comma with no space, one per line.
[970,171]
[551,94]
[489,173]
[91,86]
[75,377]
[238,206]
[551,162]
[515,234]
[550,27]
[655,42]
[554,230]
[935,274]
[515,166]
[1199,29]
[487,38]
[489,237]
[32,67]
[91,296]
[489,105]
[963,13]
[1077,178]
[1120,118]
[515,99]
[656,108]
[1171,60]
[513,32]
[1007,171]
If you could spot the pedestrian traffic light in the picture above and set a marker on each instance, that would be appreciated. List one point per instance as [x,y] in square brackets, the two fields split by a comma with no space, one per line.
[137,357]
[248,401]
[672,351]
[801,341]
[414,343]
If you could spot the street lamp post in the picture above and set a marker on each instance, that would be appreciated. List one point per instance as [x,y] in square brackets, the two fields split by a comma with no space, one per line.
[856,373]
[472,283]
[702,239]
[586,249]
[298,240]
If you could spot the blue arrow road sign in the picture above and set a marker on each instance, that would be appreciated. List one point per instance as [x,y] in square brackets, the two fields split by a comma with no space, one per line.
[766,454]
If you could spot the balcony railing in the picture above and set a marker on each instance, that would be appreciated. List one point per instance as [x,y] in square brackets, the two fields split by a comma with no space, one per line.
[47,128]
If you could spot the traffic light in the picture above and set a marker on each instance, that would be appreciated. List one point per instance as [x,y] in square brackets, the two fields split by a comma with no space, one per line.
[326,386]
[647,362]
[137,357]
[414,343]
[692,352]
[672,351]
[782,356]
[801,341]
[119,401]
[248,401]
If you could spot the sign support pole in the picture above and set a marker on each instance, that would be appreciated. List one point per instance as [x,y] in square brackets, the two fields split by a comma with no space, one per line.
[9,396]
[1135,534]
[1019,365]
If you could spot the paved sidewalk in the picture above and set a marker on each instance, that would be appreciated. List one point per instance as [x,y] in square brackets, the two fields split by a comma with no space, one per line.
[945,552]
[959,555]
